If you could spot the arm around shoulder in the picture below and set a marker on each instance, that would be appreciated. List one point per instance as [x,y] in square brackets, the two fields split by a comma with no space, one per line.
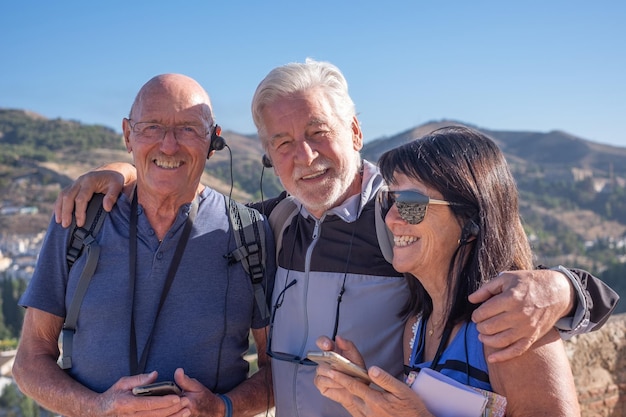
[595,301]
[110,179]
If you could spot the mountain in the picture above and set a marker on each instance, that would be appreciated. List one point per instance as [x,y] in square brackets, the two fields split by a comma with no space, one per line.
[555,149]
[573,191]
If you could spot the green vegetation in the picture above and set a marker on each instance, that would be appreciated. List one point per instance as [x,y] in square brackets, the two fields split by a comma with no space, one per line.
[615,277]
[569,195]
[11,315]
[14,403]
[26,137]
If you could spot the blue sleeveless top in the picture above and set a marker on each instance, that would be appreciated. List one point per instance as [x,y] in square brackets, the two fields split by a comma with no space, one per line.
[463,360]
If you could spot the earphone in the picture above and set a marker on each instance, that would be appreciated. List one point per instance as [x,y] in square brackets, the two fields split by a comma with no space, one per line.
[217,142]
[471,229]
[266,161]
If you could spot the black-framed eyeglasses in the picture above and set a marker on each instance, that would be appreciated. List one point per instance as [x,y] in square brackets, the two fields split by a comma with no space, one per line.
[155,132]
[283,356]
[411,204]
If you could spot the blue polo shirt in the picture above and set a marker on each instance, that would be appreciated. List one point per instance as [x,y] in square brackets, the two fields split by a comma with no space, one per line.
[204,323]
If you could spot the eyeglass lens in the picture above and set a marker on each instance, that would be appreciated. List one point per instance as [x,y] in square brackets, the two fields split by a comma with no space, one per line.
[411,205]
[155,132]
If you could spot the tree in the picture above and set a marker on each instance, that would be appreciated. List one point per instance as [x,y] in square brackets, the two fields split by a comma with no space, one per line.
[11,312]
[5,333]
[19,405]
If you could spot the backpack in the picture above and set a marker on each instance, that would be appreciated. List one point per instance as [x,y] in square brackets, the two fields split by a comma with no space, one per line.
[251,252]
[81,239]
[280,217]
[249,236]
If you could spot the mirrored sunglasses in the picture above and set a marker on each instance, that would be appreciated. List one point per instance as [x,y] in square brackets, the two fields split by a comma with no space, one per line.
[411,204]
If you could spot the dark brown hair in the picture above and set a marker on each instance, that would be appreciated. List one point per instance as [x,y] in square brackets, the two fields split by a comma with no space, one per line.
[469,169]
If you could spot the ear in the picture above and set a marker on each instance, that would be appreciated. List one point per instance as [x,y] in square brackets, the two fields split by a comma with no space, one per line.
[210,154]
[357,134]
[126,132]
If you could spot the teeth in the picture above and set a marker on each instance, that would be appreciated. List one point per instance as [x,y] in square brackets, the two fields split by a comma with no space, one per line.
[315,175]
[403,240]
[167,163]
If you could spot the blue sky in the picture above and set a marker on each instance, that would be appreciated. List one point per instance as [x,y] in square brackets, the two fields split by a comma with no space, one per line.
[532,65]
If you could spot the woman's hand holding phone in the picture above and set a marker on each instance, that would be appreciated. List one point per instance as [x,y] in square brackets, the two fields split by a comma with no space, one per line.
[339,363]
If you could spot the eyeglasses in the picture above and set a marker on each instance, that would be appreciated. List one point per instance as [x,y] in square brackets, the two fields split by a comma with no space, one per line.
[411,204]
[155,132]
[282,356]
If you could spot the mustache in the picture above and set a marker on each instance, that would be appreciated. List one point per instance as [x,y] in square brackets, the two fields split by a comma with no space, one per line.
[318,168]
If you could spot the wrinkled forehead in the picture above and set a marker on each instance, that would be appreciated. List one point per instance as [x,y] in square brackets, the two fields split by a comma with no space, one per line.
[178,102]
[168,112]
[293,114]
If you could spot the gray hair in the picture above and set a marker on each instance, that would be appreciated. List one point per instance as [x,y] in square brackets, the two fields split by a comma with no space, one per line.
[297,77]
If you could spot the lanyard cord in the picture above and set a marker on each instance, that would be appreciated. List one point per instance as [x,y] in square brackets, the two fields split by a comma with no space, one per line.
[137,367]
[343,284]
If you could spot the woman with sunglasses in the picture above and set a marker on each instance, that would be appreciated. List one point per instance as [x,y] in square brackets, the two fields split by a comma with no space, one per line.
[453,210]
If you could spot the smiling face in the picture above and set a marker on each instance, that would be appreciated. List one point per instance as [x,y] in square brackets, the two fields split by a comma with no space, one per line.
[315,154]
[425,249]
[170,167]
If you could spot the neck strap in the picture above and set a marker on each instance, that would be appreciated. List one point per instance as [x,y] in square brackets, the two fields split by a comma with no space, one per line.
[138,366]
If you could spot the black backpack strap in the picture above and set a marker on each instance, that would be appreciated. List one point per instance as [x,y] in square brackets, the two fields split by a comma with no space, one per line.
[249,236]
[280,218]
[94,218]
[82,239]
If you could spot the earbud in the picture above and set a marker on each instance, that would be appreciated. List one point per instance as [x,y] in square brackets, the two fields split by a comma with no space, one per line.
[471,229]
[217,142]
[266,161]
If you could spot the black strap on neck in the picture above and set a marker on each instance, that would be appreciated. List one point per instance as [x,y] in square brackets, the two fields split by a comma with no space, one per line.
[138,366]
[442,346]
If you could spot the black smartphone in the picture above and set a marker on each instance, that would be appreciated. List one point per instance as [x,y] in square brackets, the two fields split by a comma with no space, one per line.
[158,388]
[340,363]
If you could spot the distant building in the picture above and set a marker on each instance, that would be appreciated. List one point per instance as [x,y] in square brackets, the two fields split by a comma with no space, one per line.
[6,364]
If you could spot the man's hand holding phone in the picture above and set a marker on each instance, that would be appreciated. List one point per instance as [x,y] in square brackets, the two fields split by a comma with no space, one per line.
[158,388]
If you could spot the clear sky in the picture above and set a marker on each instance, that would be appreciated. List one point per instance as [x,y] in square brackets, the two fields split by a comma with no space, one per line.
[535,65]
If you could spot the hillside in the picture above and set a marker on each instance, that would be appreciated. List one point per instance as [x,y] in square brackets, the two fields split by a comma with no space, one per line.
[39,156]
[573,192]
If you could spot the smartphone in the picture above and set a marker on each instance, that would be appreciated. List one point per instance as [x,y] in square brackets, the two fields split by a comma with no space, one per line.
[158,388]
[339,363]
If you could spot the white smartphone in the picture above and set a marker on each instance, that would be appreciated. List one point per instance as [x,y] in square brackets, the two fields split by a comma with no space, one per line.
[340,363]
[158,388]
